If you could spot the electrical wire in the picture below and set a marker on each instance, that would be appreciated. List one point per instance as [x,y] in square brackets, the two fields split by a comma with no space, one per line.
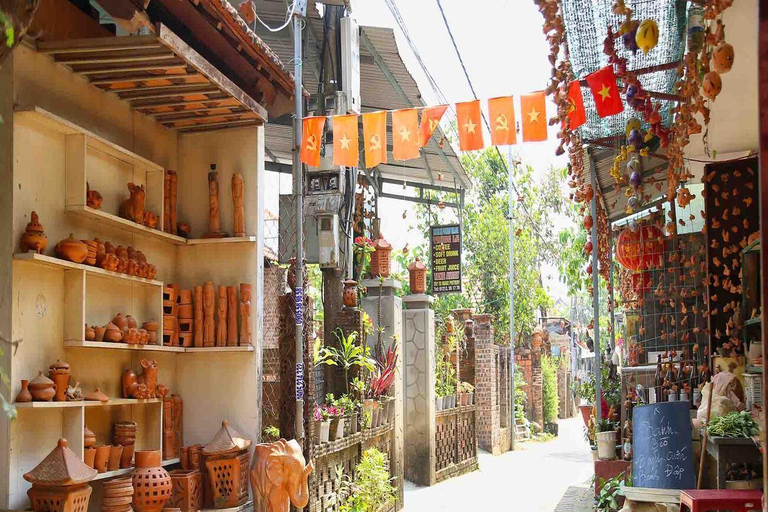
[288,17]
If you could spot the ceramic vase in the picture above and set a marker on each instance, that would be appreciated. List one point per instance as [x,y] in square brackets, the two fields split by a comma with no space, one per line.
[349,296]
[151,482]
[24,394]
[89,457]
[116,451]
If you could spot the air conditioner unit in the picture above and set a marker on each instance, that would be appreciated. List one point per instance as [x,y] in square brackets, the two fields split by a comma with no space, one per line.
[350,63]
[328,240]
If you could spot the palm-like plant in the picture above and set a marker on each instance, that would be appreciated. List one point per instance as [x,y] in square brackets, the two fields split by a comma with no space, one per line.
[348,355]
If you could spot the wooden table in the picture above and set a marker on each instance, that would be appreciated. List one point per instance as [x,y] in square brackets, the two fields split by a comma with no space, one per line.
[727,450]
[721,499]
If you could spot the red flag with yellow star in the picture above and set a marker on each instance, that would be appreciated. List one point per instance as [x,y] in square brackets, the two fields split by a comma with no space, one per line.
[345,150]
[534,115]
[430,118]
[405,128]
[375,138]
[312,135]
[576,112]
[502,113]
[602,83]
[470,132]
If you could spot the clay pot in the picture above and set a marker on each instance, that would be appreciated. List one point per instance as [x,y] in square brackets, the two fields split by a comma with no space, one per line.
[92,197]
[132,323]
[115,453]
[151,483]
[72,249]
[151,271]
[91,246]
[183,229]
[89,457]
[381,263]
[127,457]
[349,296]
[112,333]
[109,262]
[150,219]
[101,461]
[121,322]
[24,394]
[132,268]
[417,277]
[89,438]
[97,396]
[42,388]
[90,333]
[61,380]
[98,333]
[132,336]
[34,238]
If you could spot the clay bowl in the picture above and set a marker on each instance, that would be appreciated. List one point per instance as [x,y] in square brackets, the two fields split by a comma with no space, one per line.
[118,483]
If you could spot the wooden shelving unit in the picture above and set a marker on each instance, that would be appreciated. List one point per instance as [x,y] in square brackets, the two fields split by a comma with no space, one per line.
[50,261]
[113,402]
[105,345]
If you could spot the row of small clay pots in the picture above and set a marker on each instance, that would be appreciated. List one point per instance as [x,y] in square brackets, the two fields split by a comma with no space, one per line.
[107,457]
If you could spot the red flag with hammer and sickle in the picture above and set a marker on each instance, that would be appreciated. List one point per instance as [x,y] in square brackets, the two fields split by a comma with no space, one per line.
[502,113]
[430,119]
[310,140]
[375,138]
[576,112]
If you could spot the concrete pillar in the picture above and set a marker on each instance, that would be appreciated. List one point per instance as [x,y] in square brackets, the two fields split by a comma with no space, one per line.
[419,345]
[386,310]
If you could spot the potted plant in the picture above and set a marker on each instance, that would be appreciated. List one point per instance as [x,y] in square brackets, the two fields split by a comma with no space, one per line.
[349,405]
[270,434]
[372,488]
[382,382]
[348,355]
[323,418]
[336,414]
[466,392]
[606,439]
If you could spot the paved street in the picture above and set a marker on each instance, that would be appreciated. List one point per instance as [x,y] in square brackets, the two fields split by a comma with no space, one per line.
[543,477]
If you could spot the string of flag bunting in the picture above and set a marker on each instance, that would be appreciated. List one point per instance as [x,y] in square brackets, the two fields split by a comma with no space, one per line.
[409,133]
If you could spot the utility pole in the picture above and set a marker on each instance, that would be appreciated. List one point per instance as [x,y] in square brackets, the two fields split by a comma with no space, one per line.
[595,292]
[298,186]
[513,421]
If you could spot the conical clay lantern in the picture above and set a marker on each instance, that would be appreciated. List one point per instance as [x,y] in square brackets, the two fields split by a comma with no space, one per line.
[381,262]
[225,463]
[60,482]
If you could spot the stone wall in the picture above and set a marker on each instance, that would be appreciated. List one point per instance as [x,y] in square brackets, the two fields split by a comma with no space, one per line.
[490,378]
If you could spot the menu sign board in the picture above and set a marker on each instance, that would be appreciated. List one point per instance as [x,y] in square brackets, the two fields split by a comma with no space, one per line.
[445,243]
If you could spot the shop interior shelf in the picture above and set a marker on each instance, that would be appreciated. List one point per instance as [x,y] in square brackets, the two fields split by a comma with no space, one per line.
[124,224]
[113,402]
[227,240]
[106,345]
[42,259]
[242,348]
[126,471]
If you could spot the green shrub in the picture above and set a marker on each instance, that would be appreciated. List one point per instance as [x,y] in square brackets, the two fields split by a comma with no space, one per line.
[551,401]
[372,487]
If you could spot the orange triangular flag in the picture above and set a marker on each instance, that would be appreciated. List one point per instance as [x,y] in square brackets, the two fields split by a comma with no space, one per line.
[405,125]
[470,132]
[375,138]
[345,150]
[312,134]
[502,112]
[534,115]
[430,118]
[576,112]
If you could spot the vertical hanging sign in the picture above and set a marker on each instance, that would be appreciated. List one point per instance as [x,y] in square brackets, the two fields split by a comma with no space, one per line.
[299,297]
[445,250]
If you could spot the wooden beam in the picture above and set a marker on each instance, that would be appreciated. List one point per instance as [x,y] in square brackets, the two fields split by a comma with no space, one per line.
[183,114]
[160,115]
[213,120]
[142,78]
[611,146]
[150,106]
[219,126]
[166,66]
[168,93]
[113,59]
[98,44]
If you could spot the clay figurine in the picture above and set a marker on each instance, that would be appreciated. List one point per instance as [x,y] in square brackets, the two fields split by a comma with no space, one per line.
[133,207]
[232,316]
[221,318]
[151,271]
[279,476]
[197,322]
[34,238]
[110,262]
[150,219]
[92,197]
[74,393]
[209,306]
[238,203]
[72,249]
[142,386]
[245,314]
[214,215]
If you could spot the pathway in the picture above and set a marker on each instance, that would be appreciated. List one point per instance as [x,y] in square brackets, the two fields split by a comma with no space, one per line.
[545,477]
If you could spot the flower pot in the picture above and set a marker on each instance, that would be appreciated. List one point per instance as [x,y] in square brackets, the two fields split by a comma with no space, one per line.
[463,399]
[606,445]
[333,429]
[340,427]
[151,483]
[101,460]
[391,410]
[325,429]
[471,400]
[349,296]
[354,425]
[594,453]
[451,401]
[89,457]
[115,454]
[586,413]
[127,456]
[438,403]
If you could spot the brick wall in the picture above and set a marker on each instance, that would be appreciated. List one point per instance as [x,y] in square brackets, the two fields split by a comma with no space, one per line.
[539,345]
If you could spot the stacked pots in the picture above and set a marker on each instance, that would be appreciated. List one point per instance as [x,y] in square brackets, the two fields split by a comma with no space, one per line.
[118,495]
[125,436]
[59,373]
[89,443]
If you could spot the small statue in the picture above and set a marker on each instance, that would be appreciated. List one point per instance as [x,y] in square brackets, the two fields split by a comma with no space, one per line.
[74,393]
[278,476]
[221,318]
[198,319]
[214,215]
[150,219]
[238,203]
[92,197]
[245,314]
[209,306]
[133,207]
[143,386]
[232,316]
[34,238]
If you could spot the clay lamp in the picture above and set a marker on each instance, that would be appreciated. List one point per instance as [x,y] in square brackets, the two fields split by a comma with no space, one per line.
[417,277]
[226,454]
[60,482]
[59,373]
[34,238]
[381,264]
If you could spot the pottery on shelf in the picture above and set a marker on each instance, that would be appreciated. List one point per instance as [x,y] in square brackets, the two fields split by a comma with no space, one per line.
[133,207]
[121,322]
[349,296]
[24,394]
[91,246]
[183,229]
[112,333]
[74,393]
[150,219]
[89,457]
[96,396]
[98,333]
[42,388]
[59,373]
[72,249]
[60,482]
[151,482]
[89,438]
[92,197]
[115,452]
[90,333]
[34,239]
[118,494]
[101,461]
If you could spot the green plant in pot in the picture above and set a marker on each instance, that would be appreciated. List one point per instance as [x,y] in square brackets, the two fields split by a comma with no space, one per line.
[372,488]
[466,394]
[348,355]
[350,406]
[606,435]
[270,434]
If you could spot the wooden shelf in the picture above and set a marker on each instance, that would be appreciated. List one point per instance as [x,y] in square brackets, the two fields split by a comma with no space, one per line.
[42,259]
[242,348]
[120,346]
[753,321]
[113,402]
[126,471]
[226,240]
[115,222]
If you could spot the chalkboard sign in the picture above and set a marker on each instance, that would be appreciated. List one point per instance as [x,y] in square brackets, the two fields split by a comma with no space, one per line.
[662,447]
[445,242]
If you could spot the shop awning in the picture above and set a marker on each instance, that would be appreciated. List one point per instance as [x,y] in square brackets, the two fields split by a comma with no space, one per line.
[162,77]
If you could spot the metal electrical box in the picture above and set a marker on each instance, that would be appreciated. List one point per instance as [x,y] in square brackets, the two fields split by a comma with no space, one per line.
[350,63]
[328,240]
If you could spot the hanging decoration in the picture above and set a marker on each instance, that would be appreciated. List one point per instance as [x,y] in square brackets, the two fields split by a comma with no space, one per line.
[605,91]
[345,143]
[534,122]
[502,114]
[405,126]
[469,118]
[375,138]
[430,119]
[641,248]
[311,139]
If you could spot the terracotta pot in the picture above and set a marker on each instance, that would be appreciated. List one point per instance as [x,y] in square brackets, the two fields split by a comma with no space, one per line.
[126,458]
[90,333]
[89,438]
[184,459]
[121,322]
[34,238]
[132,323]
[381,263]
[89,456]
[187,490]
[24,394]
[91,247]
[151,483]
[102,458]
[112,333]
[417,277]
[98,333]
[42,388]
[72,249]
[349,297]
[115,454]
[586,413]
[61,380]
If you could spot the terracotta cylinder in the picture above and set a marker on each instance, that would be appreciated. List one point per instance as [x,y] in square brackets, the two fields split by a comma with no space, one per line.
[115,454]
[101,460]
[209,307]
[245,314]
[221,318]
[198,318]
[232,316]
[89,457]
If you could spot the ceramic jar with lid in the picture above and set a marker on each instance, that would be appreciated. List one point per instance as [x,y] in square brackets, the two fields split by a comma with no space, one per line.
[72,249]
[34,238]
[59,372]
[42,388]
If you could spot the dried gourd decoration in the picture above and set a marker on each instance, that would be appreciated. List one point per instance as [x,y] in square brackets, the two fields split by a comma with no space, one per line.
[722,57]
[647,35]
[712,85]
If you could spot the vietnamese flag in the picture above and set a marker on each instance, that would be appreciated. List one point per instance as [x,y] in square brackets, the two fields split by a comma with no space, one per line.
[345,150]
[470,132]
[502,113]
[405,127]
[375,138]
[310,140]
[576,112]
[534,114]
[430,118]
[605,92]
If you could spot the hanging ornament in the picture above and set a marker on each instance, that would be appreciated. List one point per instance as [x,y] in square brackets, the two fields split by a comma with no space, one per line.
[647,35]
[632,203]
[722,58]
[589,269]
[631,93]
[636,139]
[441,204]
[636,179]
[588,222]
[633,124]
[712,85]
[696,32]
[588,247]
[628,30]
[405,213]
